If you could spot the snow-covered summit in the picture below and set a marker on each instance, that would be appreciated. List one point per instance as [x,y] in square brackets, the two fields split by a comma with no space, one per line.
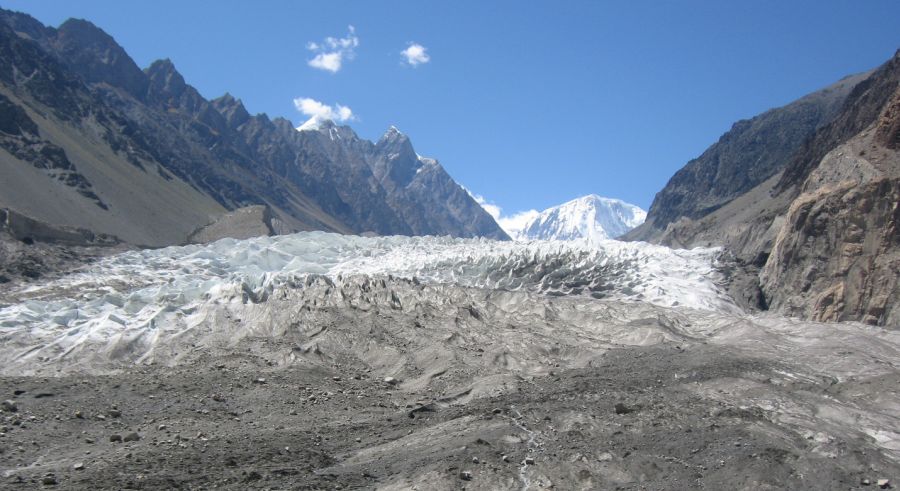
[328,127]
[590,217]
[316,123]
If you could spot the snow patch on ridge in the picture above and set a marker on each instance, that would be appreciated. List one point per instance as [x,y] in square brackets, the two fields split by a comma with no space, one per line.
[315,123]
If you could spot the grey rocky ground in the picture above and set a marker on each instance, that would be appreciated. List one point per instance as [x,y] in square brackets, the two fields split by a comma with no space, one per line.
[380,383]
[22,262]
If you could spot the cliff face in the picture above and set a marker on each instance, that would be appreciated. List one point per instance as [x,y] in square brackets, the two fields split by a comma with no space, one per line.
[837,254]
[837,257]
[818,238]
[750,153]
[95,142]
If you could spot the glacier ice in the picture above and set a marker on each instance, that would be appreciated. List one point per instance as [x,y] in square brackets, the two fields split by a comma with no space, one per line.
[137,296]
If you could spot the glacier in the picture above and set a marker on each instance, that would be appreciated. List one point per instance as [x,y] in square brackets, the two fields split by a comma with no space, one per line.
[456,319]
[141,294]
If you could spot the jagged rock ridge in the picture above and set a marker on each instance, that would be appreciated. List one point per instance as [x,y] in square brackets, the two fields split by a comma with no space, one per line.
[140,154]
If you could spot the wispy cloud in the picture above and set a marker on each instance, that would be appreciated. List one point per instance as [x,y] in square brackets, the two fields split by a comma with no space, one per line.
[331,53]
[415,54]
[312,107]
[513,225]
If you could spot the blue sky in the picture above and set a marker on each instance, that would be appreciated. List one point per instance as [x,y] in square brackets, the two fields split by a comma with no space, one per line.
[529,104]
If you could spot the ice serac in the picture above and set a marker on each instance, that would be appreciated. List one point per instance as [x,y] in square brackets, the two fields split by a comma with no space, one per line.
[592,218]
[153,295]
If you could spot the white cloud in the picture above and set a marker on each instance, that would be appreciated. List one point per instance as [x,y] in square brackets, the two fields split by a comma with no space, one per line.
[314,108]
[332,52]
[515,224]
[512,225]
[327,61]
[416,54]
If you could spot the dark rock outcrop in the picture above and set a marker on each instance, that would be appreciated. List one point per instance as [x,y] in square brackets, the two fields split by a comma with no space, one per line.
[243,223]
[97,57]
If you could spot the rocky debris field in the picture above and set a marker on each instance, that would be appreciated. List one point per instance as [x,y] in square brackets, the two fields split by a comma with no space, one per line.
[25,261]
[658,417]
[388,384]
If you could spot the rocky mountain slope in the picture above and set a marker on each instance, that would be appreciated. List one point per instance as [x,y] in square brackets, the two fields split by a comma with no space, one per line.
[820,236]
[751,152]
[88,139]
[589,217]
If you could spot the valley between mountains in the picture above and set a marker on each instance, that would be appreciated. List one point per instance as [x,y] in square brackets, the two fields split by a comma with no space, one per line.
[193,297]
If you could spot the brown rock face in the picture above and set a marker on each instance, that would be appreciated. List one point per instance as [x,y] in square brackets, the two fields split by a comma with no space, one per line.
[818,239]
[888,131]
[837,257]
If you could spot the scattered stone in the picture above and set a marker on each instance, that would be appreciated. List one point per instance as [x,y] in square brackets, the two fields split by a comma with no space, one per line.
[161,428]
[465,475]
[390,380]
[79,415]
[79,466]
[336,379]
[114,413]
[865,482]
[884,483]
[497,410]
[505,458]
[260,381]
[9,406]
[115,438]
[623,409]
[529,460]
[605,457]
[475,460]
[132,437]
[49,481]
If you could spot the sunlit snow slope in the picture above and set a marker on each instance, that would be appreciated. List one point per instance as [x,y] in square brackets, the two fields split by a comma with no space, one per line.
[591,218]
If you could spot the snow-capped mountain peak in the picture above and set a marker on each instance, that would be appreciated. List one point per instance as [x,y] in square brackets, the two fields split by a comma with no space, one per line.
[590,217]
[316,123]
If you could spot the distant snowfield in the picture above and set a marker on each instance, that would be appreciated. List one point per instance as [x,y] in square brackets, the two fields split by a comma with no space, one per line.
[591,218]
[129,296]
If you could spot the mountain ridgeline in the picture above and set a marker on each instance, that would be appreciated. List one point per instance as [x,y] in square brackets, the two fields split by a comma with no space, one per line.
[807,198]
[89,140]
[591,218]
